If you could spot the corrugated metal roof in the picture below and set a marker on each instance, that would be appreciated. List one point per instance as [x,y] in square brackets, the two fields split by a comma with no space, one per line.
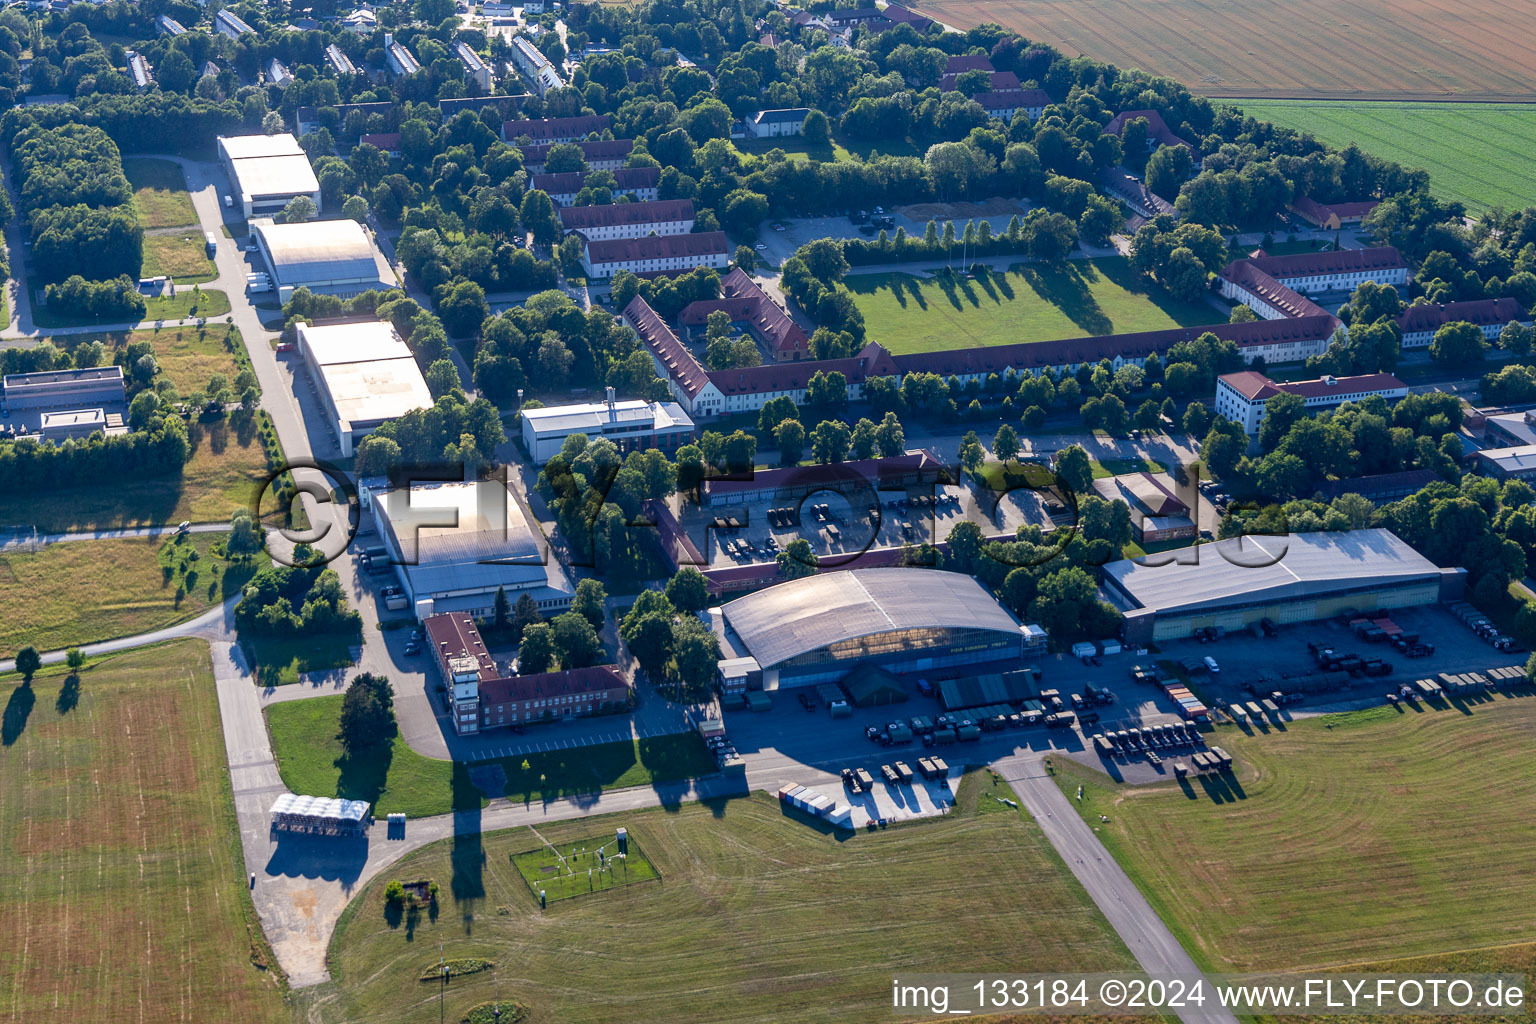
[1252,569]
[800,616]
[318,251]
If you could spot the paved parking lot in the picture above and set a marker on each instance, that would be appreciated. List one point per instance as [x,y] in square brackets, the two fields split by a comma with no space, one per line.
[857,530]
[922,799]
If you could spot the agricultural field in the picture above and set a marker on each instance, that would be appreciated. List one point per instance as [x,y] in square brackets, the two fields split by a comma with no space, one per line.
[1031,302]
[1319,49]
[1319,856]
[1483,154]
[760,916]
[393,777]
[125,895]
[159,193]
[78,592]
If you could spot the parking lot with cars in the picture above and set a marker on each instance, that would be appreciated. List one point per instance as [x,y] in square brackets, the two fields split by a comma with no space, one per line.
[835,524]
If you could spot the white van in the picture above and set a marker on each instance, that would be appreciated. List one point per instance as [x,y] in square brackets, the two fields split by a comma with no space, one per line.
[1210,663]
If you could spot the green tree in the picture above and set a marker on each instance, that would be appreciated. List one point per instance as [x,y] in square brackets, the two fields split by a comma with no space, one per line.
[687,590]
[28,661]
[590,602]
[501,609]
[74,658]
[972,454]
[830,441]
[789,435]
[298,210]
[525,613]
[1005,443]
[817,129]
[575,641]
[696,651]
[797,559]
[1280,413]
[890,438]
[1075,469]
[367,713]
[537,651]
[443,378]
[1458,344]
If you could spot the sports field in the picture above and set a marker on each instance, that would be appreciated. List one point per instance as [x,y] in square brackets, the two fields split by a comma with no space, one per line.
[759,917]
[1081,298]
[1323,854]
[124,895]
[1336,49]
[1483,154]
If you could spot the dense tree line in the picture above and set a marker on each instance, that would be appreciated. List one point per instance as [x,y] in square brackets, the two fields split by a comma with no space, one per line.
[77,204]
[160,450]
[282,600]
[114,301]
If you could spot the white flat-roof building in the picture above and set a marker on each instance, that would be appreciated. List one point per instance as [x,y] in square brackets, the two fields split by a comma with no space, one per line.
[63,389]
[335,257]
[455,544]
[476,70]
[266,172]
[1516,463]
[632,425]
[364,375]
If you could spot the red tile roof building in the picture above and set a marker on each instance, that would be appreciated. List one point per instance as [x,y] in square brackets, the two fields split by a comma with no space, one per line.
[1419,323]
[550,130]
[482,697]
[1243,396]
[1332,216]
[1158,132]
[656,254]
[967,62]
[601,154]
[1275,287]
[640,182]
[748,304]
[629,220]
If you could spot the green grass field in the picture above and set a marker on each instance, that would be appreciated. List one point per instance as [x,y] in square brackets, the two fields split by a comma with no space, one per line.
[1483,154]
[395,778]
[178,254]
[1032,302]
[79,592]
[1346,839]
[582,867]
[124,895]
[159,193]
[759,917]
[1121,467]
[186,304]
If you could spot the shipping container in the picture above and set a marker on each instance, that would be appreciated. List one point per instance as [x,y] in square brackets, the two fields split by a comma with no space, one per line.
[968,733]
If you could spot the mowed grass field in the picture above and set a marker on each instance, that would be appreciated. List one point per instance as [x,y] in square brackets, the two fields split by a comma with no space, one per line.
[1348,839]
[79,592]
[227,465]
[393,777]
[124,895]
[1031,302]
[1483,154]
[159,192]
[179,254]
[1337,49]
[759,916]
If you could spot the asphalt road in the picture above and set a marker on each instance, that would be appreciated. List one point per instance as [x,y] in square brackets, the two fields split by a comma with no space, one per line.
[1117,897]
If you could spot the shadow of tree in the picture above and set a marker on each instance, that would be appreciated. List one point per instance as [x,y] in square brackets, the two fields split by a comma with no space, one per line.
[17,710]
[1067,289]
[69,694]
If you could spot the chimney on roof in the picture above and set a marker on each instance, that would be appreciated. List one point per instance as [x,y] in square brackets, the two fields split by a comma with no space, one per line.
[609,393]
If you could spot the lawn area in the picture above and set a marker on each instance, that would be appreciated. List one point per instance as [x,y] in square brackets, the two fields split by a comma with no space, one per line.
[1347,838]
[1483,154]
[226,468]
[79,592]
[178,254]
[759,917]
[1032,302]
[395,778]
[159,192]
[582,867]
[279,661]
[187,303]
[125,894]
[1121,467]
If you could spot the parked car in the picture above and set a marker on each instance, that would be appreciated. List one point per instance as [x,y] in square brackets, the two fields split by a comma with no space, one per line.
[1211,666]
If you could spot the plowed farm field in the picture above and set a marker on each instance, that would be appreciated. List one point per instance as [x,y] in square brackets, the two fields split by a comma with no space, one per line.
[1334,49]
